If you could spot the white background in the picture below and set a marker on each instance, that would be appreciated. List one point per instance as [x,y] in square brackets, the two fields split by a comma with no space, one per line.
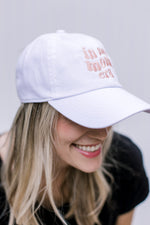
[122,26]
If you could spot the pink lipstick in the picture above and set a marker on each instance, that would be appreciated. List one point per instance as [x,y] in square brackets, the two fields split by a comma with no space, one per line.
[89,154]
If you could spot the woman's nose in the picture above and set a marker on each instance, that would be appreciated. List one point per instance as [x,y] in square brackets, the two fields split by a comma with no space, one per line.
[99,133]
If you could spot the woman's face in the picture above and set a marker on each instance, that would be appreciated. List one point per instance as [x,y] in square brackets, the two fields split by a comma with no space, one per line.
[78,146]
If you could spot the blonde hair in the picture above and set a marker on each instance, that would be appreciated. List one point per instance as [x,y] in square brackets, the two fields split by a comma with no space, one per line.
[31,157]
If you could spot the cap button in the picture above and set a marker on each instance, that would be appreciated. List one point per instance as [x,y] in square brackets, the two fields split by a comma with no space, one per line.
[60,31]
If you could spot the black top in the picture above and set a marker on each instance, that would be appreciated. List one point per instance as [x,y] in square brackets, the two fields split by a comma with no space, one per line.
[130,185]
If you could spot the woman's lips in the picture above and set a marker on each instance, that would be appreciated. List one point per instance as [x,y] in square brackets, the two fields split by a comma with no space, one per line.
[88,154]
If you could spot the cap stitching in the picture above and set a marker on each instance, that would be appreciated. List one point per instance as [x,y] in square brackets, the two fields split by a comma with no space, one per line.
[68,96]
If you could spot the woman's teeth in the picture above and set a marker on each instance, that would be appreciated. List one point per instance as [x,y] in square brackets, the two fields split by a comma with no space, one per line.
[88,148]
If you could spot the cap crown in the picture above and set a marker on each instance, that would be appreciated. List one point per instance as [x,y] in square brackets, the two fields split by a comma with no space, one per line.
[60,65]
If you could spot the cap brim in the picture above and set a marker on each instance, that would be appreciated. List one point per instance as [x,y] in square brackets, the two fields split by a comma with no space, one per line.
[100,108]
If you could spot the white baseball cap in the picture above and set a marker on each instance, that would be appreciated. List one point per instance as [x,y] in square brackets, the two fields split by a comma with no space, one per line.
[74,74]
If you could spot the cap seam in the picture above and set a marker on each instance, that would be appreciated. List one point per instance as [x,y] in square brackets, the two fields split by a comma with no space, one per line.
[68,96]
[51,57]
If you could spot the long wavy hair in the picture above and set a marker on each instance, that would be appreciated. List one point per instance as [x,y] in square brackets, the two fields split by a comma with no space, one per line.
[31,156]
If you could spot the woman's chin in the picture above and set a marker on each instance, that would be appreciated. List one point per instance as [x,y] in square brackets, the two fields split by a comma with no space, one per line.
[90,167]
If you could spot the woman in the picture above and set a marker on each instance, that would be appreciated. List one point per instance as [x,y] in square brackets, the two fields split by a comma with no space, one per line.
[61,163]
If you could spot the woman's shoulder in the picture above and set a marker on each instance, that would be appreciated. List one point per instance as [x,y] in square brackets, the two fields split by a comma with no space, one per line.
[127,152]
[123,142]
[130,179]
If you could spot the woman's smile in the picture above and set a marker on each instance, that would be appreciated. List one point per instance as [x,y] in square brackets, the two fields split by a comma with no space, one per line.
[89,148]
[89,151]
[78,146]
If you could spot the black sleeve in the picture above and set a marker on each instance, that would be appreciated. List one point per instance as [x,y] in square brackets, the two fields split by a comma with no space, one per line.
[131,181]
